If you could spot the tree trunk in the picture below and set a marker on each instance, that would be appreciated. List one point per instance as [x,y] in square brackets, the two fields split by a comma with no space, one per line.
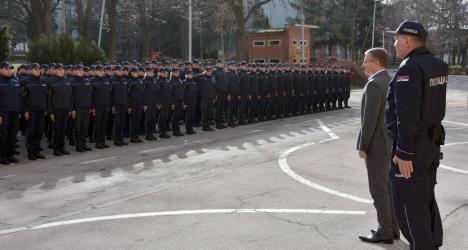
[112,19]
[84,19]
[41,17]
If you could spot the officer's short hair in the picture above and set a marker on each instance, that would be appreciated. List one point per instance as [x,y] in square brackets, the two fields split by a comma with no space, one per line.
[379,54]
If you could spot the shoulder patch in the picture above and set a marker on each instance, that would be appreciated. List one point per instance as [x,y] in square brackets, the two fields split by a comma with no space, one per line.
[403,78]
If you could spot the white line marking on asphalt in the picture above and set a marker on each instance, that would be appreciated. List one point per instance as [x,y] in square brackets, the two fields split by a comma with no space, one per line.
[154,150]
[183,212]
[7,176]
[97,160]
[453,169]
[457,123]
[332,135]
[454,144]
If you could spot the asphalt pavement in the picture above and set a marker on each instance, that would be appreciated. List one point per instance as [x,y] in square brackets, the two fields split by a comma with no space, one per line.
[295,183]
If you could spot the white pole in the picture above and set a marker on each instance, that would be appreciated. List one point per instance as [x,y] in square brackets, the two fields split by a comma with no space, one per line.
[383,38]
[190,31]
[100,23]
[373,23]
[302,35]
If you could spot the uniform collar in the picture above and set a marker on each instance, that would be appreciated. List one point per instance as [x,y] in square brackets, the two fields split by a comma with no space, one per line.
[418,51]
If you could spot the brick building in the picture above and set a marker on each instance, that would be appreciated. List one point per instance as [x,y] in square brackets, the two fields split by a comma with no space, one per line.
[279,45]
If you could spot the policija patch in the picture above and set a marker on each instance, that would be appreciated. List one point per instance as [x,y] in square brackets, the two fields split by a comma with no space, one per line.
[438,81]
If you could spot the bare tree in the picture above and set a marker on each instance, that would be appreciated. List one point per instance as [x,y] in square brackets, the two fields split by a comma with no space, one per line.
[85,17]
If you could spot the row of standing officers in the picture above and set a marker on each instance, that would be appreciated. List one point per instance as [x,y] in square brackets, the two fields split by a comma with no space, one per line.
[117,101]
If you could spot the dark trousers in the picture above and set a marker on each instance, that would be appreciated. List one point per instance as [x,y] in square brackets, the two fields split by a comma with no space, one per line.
[35,130]
[110,124]
[135,116]
[151,118]
[189,116]
[220,106]
[253,108]
[414,201]
[8,132]
[119,121]
[81,126]
[379,187]
[60,127]
[271,106]
[101,122]
[243,108]
[207,111]
[262,107]
[92,128]
[164,118]
[233,110]
[177,116]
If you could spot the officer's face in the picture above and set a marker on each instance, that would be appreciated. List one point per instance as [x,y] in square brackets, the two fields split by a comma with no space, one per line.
[6,72]
[401,45]
[59,72]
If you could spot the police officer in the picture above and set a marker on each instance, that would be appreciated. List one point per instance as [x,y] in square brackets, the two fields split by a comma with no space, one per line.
[415,110]
[177,100]
[35,104]
[135,104]
[206,85]
[82,102]
[190,99]
[164,102]
[245,95]
[119,104]
[59,108]
[10,108]
[150,99]
[254,93]
[221,93]
[233,94]
[101,105]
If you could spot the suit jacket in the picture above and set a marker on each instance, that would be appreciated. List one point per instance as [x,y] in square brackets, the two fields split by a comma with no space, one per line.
[373,137]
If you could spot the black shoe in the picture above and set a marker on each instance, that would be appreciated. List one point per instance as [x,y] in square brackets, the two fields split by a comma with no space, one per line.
[39,155]
[191,132]
[177,133]
[375,237]
[64,151]
[118,144]
[92,140]
[207,129]
[57,152]
[12,159]
[105,145]
[110,138]
[150,138]
[124,143]
[72,143]
[41,149]
[396,235]
[85,147]
[196,125]
[32,157]
[242,122]
[99,146]
[220,126]
[164,136]
[136,140]
[4,161]
[80,149]
[17,152]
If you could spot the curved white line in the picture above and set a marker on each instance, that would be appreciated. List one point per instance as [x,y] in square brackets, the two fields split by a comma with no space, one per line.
[183,212]
[282,161]
[453,169]
[456,123]
[454,144]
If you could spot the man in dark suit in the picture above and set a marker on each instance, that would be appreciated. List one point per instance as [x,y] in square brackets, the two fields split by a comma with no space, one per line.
[374,145]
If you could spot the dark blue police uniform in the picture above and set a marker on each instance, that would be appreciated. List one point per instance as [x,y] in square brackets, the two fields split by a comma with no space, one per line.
[416,105]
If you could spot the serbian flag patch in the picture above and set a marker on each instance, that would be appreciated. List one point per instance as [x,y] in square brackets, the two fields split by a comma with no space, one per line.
[403,78]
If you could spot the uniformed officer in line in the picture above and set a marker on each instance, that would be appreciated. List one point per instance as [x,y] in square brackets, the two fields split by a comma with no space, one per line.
[280,91]
[272,92]
[177,101]
[10,108]
[150,94]
[135,103]
[254,93]
[233,95]
[347,87]
[82,102]
[164,102]
[101,102]
[196,68]
[190,99]
[263,93]
[315,89]
[289,101]
[108,74]
[60,106]
[245,95]
[415,110]
[206,86]
[222,94]
[119,91]
[35,105]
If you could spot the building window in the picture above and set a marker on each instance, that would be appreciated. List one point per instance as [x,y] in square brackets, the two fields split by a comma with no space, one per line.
[259,60]
[305,42]
[294,42]
[259,43]
[274,42]
[275,60]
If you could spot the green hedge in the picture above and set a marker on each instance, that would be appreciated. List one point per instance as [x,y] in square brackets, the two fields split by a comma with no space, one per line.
[458,70]
[62,49]
[5,43]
